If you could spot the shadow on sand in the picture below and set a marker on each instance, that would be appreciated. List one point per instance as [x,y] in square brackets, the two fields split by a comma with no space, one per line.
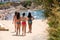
[18,35]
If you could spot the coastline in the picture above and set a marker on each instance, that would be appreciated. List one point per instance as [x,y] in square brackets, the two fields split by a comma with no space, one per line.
[20,8]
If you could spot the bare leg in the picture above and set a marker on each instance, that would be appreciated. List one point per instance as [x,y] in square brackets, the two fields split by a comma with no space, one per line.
[30,28]
[25,30]
[22,30]
[17,31]
[15,27]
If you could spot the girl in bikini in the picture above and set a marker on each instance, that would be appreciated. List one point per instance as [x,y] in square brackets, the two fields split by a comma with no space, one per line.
[18,23]
[30,22]
[23,25]
[14,20]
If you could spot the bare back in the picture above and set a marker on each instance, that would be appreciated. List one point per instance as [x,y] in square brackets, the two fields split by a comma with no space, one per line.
[23,19]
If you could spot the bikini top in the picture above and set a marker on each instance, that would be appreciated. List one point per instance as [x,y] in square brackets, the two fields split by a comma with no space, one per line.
[17,20]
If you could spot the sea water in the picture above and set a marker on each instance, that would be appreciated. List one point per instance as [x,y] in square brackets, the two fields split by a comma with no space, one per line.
[37,14]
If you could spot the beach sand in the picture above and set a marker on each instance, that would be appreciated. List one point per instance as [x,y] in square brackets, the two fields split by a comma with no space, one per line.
[39,31]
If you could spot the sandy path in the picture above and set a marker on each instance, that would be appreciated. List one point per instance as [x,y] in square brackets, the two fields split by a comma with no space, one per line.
[38,31]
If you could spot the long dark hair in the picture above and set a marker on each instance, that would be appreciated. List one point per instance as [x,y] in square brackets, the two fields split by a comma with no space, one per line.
[23,14]
[18,15]
[29,15]
[15,13]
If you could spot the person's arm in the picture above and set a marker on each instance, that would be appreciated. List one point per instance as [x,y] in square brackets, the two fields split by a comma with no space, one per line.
[26,18]
[33,18]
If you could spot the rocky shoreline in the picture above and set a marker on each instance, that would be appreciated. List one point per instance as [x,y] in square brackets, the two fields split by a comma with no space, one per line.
[19,8]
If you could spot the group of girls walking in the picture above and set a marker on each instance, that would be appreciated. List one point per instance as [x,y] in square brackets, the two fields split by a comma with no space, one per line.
[21,21]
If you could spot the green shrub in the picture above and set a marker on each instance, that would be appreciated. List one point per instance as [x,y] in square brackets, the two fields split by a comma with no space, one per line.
[26,3]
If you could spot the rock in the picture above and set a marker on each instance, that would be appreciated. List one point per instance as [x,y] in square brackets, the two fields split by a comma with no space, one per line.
[3,29]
